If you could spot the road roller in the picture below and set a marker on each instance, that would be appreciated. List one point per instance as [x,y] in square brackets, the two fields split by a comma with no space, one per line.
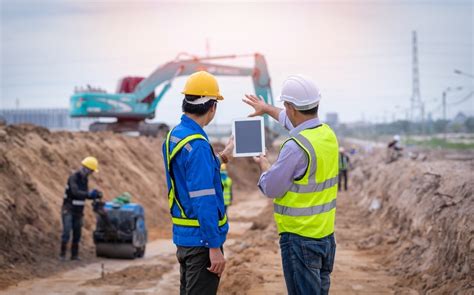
[120,230]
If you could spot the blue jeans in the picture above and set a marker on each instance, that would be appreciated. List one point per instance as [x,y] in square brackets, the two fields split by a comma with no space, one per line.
[307,263]
[72,223]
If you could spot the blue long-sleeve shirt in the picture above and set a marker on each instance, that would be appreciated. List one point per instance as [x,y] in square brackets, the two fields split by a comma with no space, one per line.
[196,174]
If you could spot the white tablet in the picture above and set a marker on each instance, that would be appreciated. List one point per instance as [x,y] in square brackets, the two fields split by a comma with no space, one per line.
[249,137]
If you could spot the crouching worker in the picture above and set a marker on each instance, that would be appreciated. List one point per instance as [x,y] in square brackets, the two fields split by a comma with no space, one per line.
[75,196]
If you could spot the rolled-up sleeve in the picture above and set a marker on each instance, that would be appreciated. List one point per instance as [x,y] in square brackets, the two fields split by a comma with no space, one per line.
[291,164]
[200,170]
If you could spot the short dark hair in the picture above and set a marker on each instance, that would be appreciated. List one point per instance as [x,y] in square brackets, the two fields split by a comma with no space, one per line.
[313,111]
[196,109]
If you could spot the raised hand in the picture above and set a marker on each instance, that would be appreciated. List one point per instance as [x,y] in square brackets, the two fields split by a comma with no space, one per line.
[257,103]
[261,107]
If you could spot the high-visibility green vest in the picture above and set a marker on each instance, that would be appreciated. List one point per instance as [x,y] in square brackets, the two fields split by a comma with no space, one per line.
[343,162]
[227,184]
[309,207]
[180,143]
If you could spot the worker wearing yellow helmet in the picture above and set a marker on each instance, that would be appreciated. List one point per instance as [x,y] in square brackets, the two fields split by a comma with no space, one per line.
[195,190]
[75,195]
[227,186]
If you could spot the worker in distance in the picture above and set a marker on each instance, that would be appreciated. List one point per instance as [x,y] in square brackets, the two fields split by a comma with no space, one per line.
[72,211]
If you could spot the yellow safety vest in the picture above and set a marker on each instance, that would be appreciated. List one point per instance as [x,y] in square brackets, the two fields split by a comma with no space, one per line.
[309,208]
[227,184]
[180,143]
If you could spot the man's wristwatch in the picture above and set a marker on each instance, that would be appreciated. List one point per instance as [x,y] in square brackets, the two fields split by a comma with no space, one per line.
[223,157]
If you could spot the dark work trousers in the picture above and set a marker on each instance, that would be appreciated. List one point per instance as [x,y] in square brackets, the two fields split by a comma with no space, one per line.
[71,222]
[195,278]
[342,175]
[307,263]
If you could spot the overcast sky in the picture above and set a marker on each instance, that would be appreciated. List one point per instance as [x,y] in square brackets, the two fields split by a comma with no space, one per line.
[358,52]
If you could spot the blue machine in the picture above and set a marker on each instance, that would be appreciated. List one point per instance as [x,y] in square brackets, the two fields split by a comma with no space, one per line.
[120,231]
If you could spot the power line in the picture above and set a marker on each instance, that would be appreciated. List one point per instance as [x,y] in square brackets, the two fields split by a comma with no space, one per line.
[466,98]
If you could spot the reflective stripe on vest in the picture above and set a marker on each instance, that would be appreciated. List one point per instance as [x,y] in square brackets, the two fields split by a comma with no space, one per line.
[194,222]
[172,199]
[308,208]
[78,202]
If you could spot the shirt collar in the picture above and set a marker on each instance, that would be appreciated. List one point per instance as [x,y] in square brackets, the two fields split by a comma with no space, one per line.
[305,125]
[191,124]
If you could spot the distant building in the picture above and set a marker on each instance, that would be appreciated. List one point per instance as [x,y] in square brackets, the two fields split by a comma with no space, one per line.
[53,119]
[458,123]
[459,119]
[332,119]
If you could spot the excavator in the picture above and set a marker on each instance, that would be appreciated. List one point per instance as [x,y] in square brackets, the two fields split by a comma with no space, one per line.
[135,100]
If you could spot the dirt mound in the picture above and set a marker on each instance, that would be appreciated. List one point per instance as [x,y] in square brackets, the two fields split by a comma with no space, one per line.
[34,167]
[257,249]
[421,216]
[134,276]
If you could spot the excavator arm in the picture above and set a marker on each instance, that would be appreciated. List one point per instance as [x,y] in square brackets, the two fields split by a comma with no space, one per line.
[169,71]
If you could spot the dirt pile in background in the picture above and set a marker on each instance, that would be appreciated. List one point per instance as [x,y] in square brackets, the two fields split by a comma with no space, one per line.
[421,217]
[34,167]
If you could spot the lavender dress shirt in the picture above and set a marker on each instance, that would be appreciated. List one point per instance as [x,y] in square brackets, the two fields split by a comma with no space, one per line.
[291,163]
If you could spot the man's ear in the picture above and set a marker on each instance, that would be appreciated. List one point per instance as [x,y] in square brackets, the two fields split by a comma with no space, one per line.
[291,109]
[213,108]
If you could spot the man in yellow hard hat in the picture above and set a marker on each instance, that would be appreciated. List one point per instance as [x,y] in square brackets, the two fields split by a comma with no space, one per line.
[75,195]
[227,185]
[195,191]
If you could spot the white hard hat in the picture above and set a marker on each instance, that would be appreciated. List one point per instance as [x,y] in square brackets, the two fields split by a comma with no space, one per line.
[396,137]
[301,92]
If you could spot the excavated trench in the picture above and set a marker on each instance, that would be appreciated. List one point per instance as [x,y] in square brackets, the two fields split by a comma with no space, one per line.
[397,228]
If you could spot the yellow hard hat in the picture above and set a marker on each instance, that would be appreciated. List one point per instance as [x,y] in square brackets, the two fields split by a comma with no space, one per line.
[202,84]
[91,163]
[223,166]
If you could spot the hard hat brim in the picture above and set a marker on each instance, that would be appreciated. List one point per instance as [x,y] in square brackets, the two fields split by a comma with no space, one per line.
[218,97]
[300,108]
[93,170]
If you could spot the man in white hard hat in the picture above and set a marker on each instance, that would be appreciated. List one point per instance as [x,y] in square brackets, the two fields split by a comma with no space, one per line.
[303,184]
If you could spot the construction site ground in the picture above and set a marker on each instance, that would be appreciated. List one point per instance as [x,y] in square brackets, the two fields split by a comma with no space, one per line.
[402,228]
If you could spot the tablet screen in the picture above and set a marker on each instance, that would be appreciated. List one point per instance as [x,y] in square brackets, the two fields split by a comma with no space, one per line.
[248,137]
